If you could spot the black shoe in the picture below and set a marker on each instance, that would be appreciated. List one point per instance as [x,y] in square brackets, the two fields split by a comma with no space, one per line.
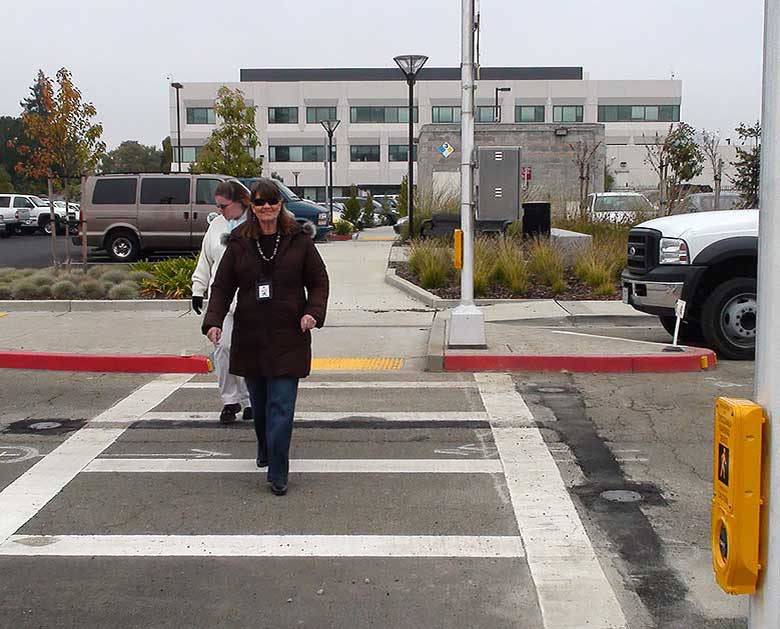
[248,416]
[262,456]
[228,414]
[278,488]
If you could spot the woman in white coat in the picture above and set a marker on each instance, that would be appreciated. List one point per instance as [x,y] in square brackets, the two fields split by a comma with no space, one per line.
[232,200]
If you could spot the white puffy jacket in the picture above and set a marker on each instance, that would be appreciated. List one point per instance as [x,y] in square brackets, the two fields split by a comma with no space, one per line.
[211,253]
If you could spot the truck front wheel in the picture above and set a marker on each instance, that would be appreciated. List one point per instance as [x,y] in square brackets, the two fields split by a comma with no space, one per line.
[690,331]
[729,319]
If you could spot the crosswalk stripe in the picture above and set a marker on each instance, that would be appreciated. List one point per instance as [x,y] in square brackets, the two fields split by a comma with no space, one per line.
[263,546]
[305,466]
[304,416]
[357,384]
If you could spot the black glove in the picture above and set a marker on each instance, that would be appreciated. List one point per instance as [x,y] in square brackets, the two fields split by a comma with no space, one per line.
[197,303]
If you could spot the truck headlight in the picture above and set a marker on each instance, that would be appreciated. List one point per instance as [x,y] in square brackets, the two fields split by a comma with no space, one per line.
[673,251]
[322,218]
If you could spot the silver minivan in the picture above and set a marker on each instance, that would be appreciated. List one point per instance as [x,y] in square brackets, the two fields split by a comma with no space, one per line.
[130,214]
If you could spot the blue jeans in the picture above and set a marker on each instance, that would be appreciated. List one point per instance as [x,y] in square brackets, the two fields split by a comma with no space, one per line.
[273,407]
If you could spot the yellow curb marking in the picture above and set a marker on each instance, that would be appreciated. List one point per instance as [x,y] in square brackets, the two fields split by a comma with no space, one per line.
[3,314]
[356,364]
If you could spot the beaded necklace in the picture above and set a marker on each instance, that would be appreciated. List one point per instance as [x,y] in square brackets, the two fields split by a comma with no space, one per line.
[276,248]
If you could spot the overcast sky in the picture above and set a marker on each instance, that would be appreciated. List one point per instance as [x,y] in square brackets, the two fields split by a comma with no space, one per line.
[120,51]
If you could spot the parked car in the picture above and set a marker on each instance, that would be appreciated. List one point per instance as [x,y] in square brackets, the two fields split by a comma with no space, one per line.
[705,202]
[338,210]
[15,211]
[3,232]
[381,216]
[706,259]
[39,218]
[312,217]
[619,207]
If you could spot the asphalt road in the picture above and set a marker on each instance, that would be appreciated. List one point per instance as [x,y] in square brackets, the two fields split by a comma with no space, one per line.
[650,434]
[34,251]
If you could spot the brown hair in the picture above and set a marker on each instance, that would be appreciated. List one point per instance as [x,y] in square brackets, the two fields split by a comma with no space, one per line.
[267,189]
[234,191]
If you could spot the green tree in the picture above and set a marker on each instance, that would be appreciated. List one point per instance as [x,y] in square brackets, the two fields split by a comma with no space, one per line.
[6,185]
[403,197]
[132,157]
[748,164]
[676,158]
[352,207]
[231,146]
[35,103]
[367,216]
[166,158]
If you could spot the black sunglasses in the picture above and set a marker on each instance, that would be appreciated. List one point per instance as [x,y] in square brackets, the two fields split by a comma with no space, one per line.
[260,202]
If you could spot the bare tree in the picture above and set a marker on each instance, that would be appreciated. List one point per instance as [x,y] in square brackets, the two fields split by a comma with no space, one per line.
[675,158]
[709,146]
[583,157]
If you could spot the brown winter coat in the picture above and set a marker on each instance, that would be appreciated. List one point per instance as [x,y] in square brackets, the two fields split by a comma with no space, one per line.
[267,339]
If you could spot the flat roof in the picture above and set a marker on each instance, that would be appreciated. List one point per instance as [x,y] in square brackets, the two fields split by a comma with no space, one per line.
[394,74]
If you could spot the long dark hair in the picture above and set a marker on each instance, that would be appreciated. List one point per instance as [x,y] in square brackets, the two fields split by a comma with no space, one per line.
[234,191]
[267,189]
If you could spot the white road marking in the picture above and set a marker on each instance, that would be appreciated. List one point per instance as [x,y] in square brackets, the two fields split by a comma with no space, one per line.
[357,384]
[198,454]
[572,588]
[17,454]
[304,466]
[304,416]
[263,546]
[29,493]
[610,338]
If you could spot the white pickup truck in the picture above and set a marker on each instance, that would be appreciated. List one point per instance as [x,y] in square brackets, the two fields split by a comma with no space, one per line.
[708,260]
[36,214]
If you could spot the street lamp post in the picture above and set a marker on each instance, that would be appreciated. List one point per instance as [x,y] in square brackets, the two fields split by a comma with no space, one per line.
[498,107]
[177,87]
[295,174]
[330,128]
[410,65]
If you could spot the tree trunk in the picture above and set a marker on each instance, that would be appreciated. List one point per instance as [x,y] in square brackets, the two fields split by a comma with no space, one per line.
[67,223]
[53,223]
[718,175]
[83,225]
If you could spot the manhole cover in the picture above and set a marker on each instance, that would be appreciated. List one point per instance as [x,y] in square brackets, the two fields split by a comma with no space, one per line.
[621,495]
[45,425]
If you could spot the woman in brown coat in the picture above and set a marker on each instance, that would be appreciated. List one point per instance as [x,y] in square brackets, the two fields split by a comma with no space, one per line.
[282,289]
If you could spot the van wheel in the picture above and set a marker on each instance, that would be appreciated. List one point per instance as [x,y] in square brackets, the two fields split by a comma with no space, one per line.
[122,246]
[309,229]
[729,319]
[690,331]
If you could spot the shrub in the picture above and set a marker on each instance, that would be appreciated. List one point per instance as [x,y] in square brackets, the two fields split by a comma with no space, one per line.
[7,273]
[42,278]
[24,289]
[605,289]
[484,264]
[515,230]
[139,276]
[511,269]
[5,291]
[125,290]
[545,262]
[44,292]
[351,211]
[342,228]
[114,276]
[64,289]
[431,261]
[367,215]
[171,278]
[96,272]
[93,289]
[599,265]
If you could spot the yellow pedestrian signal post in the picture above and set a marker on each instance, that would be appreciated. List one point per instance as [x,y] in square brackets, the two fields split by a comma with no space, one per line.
[458,248]
[737,498]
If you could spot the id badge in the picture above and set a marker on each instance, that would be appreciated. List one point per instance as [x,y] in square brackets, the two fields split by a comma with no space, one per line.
[263,291]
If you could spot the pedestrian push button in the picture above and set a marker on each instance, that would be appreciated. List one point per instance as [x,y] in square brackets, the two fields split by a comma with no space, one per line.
[737,499]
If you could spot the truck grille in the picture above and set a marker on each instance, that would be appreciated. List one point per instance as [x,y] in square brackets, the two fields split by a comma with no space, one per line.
[643,249]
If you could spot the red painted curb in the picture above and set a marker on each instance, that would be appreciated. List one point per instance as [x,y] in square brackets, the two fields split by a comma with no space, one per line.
[690,360]
[105,362]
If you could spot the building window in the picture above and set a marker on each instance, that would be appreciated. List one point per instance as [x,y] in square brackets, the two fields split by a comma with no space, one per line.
[282,115]
[529,113]
[567,113]
[445,114]
[400,152]
[318,114]
[364,153]
[639,113]
[313,153]
[188,153]
[380,114]
[201,115]
[485,113]
[317,194]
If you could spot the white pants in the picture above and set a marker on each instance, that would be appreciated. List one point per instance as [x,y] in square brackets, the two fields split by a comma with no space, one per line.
[232,389]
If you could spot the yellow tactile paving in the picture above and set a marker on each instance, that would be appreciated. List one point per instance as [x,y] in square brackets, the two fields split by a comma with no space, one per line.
[356,364]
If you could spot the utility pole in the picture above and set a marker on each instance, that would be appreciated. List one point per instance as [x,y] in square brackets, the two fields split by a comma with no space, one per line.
[765,603]
[467,322]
